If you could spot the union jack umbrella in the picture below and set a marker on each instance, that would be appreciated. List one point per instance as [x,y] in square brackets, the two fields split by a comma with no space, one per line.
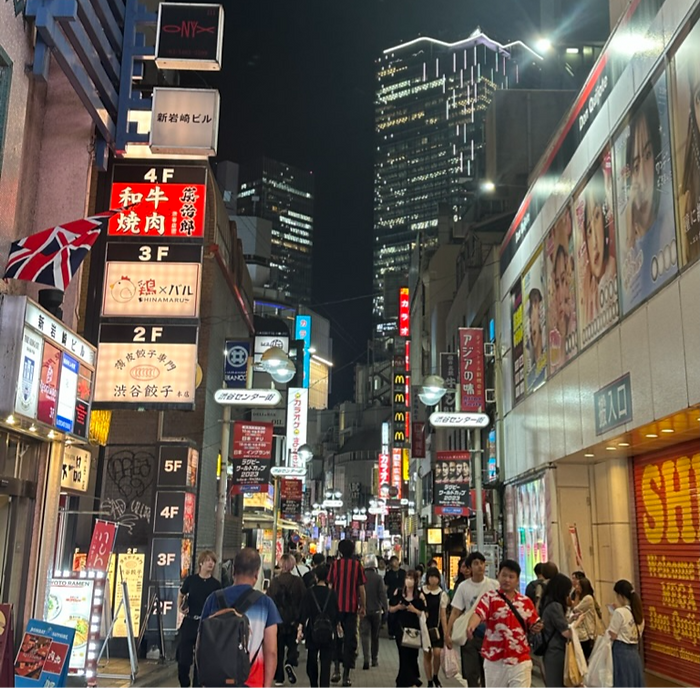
[53,256]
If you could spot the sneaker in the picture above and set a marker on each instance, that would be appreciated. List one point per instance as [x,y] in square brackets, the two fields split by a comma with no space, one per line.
[365,666]
[291,675]
[347,682]
[279,683]
[336,676]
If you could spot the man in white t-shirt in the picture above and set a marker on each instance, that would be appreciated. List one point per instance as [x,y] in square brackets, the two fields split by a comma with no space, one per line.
[466,598]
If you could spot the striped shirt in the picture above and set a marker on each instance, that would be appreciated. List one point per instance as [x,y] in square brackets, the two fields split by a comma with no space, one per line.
[346,576]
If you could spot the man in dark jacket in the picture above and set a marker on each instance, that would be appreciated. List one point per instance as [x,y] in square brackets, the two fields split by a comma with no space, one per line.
[394,579]
[287,591]
[377,604]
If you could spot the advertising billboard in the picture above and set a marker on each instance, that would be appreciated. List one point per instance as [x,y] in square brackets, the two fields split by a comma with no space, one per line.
[644,192]
[297,417]
[516,309]
[452,482]
[48,387]
[471,369]
[27,396]
[535,324]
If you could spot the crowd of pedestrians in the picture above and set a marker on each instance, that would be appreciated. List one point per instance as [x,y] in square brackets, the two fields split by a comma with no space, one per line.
[493,635]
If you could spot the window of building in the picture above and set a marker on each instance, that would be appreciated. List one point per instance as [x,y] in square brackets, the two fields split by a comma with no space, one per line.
[5,78]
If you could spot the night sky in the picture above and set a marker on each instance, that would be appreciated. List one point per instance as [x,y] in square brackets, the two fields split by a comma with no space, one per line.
[297,85]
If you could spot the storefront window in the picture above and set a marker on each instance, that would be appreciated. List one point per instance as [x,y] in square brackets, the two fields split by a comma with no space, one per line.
[531,528]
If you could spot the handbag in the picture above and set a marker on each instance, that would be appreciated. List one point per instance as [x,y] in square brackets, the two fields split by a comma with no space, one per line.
[459,630]
[411,637]
[572,672]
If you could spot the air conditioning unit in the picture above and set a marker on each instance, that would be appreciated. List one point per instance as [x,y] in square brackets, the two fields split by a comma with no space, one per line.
[490,395]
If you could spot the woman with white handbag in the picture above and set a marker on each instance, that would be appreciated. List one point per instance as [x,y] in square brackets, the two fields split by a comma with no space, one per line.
[408,605]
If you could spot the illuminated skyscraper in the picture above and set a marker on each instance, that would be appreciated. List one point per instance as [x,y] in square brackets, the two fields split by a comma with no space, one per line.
[430,108]
[283,194]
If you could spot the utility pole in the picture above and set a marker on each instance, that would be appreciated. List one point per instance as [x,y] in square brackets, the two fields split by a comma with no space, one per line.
[223,487]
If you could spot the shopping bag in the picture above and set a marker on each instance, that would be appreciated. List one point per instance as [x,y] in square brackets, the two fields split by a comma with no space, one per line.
[425,633]
[600,664]
[572,674]
[451,662]
[459,630]
[580,657]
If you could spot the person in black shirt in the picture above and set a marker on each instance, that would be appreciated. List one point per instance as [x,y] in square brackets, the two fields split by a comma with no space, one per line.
[193,594]
[309,577]
[314,600]
[406,606]
[394,579]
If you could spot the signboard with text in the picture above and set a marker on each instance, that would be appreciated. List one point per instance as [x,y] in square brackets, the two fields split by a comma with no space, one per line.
[104,536]
[252,440]
[149,366]
[152,280]
[171,201]
[471,369]
[452,482]
[236,363]
[42,658]
[297,416]
[613,405]
[178,465]
[291,497]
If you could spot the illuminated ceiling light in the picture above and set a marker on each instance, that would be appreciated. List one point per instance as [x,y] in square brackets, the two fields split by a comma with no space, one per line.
[623,444]
[589,456]
[10,420]
[488,187]
[32,428]
[543,45]
[572,51]
[668,431]
[610,448]
[51,434]
[651,435]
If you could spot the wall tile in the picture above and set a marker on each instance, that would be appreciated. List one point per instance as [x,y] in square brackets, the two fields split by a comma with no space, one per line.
[690,288]
[635,359]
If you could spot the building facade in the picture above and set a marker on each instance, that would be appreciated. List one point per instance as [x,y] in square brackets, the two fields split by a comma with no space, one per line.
[284,195]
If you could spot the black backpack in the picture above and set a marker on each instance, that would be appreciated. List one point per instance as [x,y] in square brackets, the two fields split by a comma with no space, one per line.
[222,643]
[322,630]
[284,599]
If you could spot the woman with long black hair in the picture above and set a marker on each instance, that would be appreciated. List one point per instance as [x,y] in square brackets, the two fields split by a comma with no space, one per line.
[407,605]
[556,632]
[625,630]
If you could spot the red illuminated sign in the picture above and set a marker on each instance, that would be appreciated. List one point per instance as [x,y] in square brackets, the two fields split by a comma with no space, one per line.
[48,386]
[170,201]
[252,440]
[384,471]
[101,546]
[396,470]
[404,313]
[471,369]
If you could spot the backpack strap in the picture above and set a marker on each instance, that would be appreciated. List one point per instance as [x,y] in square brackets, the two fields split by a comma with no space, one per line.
[220,598]
[247,600]
[516,613]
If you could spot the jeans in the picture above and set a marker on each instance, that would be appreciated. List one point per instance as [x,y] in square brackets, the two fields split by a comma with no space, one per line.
[369,632]
[325,654]
[185,652]
[346,647]
[286,639]
[473,663]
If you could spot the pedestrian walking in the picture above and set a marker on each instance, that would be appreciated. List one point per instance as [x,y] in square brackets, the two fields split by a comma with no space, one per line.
[377,604]
[587,616]
[625,630]
[394,578]
[437,601]
[464,601]
[348,580]
[191,598]
[262,615]
[556,632]
[406,606]
[287,591]
[317,622]
[509,618]
[309,577]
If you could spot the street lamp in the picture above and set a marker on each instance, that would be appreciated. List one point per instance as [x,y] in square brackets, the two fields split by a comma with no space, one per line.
[278,364]
[432,390]
[305,453]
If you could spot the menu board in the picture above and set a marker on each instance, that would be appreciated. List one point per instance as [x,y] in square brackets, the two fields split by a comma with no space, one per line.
[69,603]
[131,566]
[43,654]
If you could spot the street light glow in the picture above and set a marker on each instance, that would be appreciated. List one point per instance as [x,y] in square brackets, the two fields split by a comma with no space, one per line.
[543,45]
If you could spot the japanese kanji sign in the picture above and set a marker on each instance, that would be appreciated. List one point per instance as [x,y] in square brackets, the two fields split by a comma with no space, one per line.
[149,366]
[185,121]
[471,369]
[104,536]
[449,370]
[384,476]
[404,313]
[291,497]
[613,405]
[152,281]
[253,440]
[170,201]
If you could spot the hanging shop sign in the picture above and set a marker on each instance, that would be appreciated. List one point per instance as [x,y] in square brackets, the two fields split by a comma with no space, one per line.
[189,36]
[459,420]
[152,280]
[104,535]
[303,333]
[297,417]
[250,475]
[50,366]
[174,513]
[252,440]
[178,465]
[667,489]
[247,397]
[397,470]
[404,313]
[170,201]
[185,121]
[150,366]
[171,558]
[291,498]
[400,403]
[471,369]
[236,363]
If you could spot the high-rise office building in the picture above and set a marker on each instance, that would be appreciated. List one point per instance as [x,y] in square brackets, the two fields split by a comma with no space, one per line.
[284,195]
[430,108]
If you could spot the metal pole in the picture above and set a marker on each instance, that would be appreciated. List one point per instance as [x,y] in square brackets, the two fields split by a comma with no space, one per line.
[223,485]
[479,492]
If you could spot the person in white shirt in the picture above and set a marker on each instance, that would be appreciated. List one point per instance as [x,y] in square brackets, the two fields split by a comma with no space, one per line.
[300,568]
[465,599]
[625,629]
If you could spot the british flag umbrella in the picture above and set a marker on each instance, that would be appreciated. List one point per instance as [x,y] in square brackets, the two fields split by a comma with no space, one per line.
[54,255]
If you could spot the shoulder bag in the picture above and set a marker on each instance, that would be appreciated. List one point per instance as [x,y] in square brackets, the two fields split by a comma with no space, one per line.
[537,642]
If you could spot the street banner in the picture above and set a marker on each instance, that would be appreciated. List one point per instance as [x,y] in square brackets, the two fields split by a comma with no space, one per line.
[252,440]
[236,363]
[250,473]
[384,472]
[103,538]
[452,483]
[471,369]
[291,498]
[418,441]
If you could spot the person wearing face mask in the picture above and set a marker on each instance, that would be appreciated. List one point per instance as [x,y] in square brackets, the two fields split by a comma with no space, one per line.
[191,598]
[406,606]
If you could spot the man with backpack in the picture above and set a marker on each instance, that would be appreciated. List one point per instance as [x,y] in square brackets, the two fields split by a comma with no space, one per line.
[237,643]
[309,577]
[317,622]
[287,591]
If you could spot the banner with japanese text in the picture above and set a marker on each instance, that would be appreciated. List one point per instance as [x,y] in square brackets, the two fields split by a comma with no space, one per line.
[252,440]
[471,369]
[452,482]
[291,495]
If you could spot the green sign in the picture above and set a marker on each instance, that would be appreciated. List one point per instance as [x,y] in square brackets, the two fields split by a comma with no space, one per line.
[613,405]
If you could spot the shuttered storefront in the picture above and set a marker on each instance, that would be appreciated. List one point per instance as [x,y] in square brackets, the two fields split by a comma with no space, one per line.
[668,537]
